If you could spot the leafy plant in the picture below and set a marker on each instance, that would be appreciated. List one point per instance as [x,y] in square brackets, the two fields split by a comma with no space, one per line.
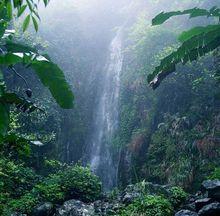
[215,174]
[15,178]
[80,183]
[149,206]
[196,42]
[73,182]
[177,196]
[13,53]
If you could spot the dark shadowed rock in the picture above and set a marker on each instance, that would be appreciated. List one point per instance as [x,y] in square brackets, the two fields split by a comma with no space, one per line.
[212,209]
[212,187]
[45,209]
[186,213]
[190,206]
[75,208]
[18,214]
[200,203]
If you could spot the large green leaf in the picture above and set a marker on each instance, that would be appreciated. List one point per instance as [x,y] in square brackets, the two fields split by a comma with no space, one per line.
[186,35]
[190,50]
[21,103]
[49,73]
[26,22]
[12,46]
[53,78]
[194,12]
[21,10]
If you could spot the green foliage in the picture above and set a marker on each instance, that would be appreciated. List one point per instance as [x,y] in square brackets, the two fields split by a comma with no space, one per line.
[73,182]
[53,166]
[194,12]
[78,182]
[177,196]
[49,73]
[51,189]
[24,204]
[215,174]
[149,206]
[16,179]
[196,43]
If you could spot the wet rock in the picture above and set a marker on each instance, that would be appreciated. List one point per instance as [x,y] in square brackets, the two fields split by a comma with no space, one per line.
[200,203]
[190,206]
[134,191]
[212,187]
[45,209]
[186,213]
[128,198]
[75,208]
[106,208]
[212,209]
[130,193]
[157,189]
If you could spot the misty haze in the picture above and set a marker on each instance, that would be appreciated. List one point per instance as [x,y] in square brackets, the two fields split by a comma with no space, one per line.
[110,107]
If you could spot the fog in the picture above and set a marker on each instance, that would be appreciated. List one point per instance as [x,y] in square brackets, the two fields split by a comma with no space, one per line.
[79,35]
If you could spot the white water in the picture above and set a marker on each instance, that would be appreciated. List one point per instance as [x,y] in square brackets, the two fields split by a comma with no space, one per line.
[106,117]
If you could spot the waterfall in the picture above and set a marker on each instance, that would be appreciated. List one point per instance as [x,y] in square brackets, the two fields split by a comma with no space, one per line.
[106,117]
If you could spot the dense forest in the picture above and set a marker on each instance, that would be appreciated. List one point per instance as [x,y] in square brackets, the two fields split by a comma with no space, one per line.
[110,107]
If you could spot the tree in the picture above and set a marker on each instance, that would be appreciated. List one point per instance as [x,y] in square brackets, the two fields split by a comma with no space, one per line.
[13,53]
[195,42]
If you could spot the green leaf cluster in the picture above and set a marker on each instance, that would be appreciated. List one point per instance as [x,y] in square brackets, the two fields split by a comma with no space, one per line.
[72,182]
[196,43]
[149,205]
[13,53]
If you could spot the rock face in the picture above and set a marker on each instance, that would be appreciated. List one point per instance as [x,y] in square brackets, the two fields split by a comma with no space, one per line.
[212,209]
[44,210]
[212,188]
[186,213]
[75,208]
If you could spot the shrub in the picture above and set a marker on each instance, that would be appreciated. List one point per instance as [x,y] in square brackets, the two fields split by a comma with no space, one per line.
[215,174]
[75,182]
[148,206]
[80,183]
[51,189]
[177,196]
[24,204]
[16,179]
[52,166]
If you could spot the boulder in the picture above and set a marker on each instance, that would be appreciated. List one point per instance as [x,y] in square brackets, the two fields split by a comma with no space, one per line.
[186,213]
[45,209]
[75,208]
[130,193]
[200,203]
[212,209]
[212,187]
[128,198]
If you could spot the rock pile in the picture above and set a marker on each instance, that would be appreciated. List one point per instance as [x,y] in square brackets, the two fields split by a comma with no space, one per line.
[204,203]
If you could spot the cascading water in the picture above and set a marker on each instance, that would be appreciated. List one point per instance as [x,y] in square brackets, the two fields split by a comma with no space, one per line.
[106,117]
